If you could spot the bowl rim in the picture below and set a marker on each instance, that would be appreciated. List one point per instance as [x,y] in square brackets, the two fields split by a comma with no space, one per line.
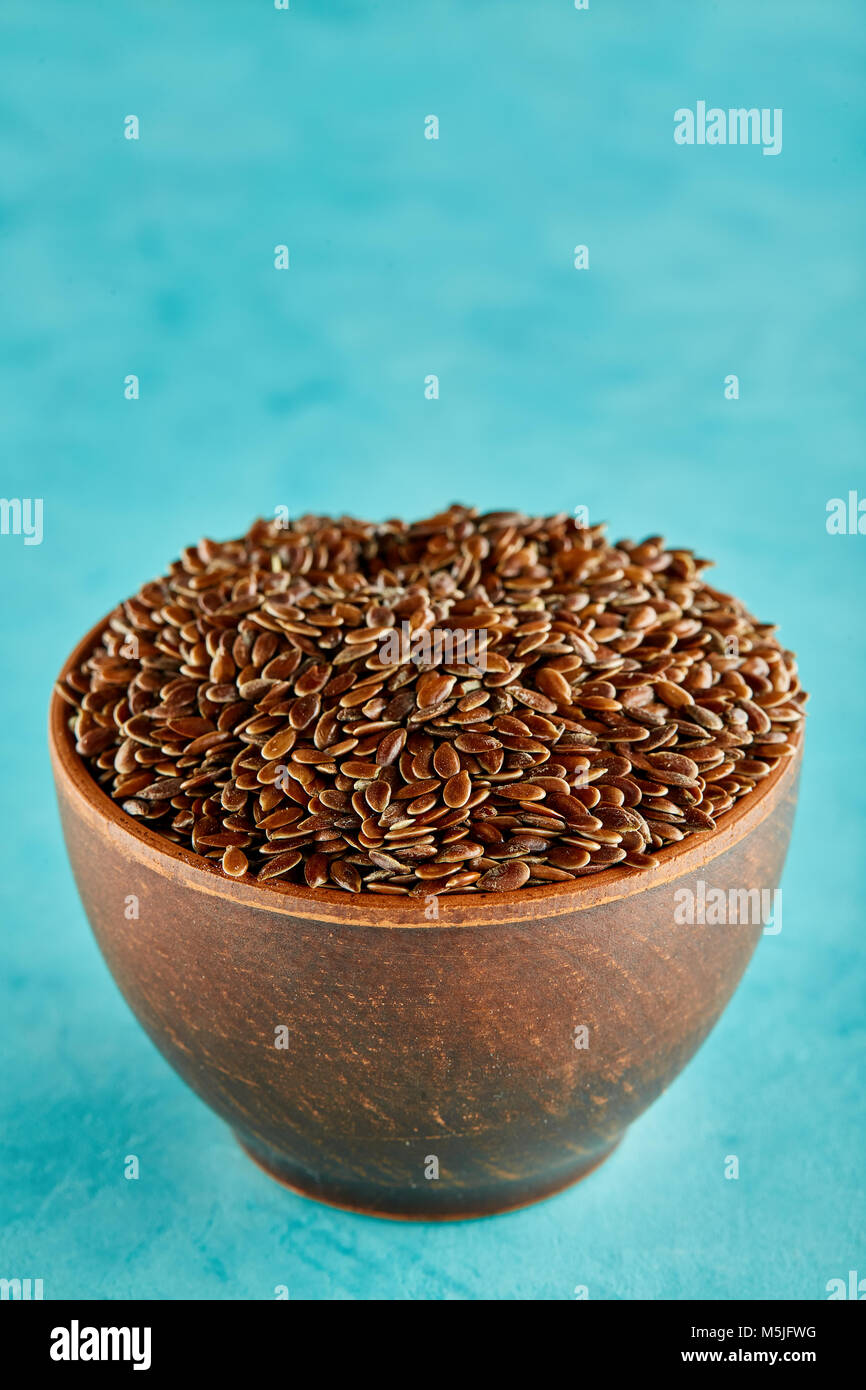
[137,841]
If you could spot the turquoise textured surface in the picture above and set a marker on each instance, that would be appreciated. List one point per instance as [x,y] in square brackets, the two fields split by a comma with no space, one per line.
[559,387]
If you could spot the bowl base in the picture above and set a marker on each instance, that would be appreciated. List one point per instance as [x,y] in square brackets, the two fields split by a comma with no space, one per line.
[412,1206]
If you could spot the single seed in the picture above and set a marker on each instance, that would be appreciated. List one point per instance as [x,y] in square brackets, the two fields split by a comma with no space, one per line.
[568,857]
[457,789]
[445,761]
[234,862]
[390,747]
[345,875]
[476,743]
[377,796]
[279,864]
[521,791]
[504,878]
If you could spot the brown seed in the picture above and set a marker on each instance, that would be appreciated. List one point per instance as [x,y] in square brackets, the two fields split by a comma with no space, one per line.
[553,684]
[521,791]
[491,762]
[279,864]
[445,761]
[462,879]
[533,698]
[673,695]
[222,838]
[432,688]
[377,796]
[415,788]
[570,807]
[280,743]
[192,727]
[159,790]
[316,870]
[667,763]
[568,857]
[386,861]
[234,862]
[131,785]
[521,844]
[304,711]
[356,768]
[753,767]
[695,819]
[504,878]
[608,855]
[390,747]
[91,744]
[456,853]
[345,875]
[457,790]
[635,859]
[311,681]
[476,743]
[705,718]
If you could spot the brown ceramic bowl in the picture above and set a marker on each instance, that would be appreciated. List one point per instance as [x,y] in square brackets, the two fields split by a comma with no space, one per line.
[418,1046]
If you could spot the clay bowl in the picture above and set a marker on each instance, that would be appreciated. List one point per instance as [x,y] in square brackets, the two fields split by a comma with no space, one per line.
[418,1047]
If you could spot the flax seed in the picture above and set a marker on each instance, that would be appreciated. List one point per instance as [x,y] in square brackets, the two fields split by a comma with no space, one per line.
[588,712]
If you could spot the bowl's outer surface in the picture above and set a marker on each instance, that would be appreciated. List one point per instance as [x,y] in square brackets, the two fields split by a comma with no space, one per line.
[412,1047]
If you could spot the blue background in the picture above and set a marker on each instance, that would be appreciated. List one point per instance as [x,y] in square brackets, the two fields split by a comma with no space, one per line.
[558,388]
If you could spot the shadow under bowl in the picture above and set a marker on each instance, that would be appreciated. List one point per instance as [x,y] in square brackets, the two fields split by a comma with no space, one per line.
[382,1062]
